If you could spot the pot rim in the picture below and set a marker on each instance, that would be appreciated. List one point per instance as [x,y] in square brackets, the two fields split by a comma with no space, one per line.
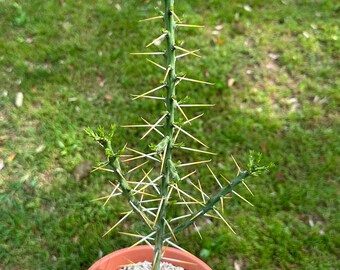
[143,253]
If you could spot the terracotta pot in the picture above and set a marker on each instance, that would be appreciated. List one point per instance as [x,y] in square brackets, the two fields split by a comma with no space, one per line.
[117,259]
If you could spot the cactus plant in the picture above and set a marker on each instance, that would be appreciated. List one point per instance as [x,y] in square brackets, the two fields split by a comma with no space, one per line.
[166,185]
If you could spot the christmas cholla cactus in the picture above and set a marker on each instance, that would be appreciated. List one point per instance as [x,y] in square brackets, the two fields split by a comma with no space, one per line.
[154,195]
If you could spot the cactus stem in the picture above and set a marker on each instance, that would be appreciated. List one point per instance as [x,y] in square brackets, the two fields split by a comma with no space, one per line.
[168,128]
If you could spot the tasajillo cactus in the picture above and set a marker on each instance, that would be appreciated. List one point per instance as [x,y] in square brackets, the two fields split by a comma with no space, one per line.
[151,197]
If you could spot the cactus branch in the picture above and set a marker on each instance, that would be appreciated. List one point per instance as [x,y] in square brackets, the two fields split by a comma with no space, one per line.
[211,203]
[126,189]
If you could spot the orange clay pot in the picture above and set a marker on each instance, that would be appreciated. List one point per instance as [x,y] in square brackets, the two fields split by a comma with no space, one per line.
[117,259]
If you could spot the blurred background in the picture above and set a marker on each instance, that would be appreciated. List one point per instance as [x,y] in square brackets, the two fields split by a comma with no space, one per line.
[65,65]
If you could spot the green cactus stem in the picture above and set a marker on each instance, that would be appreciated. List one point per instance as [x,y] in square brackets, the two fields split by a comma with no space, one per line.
[170,25]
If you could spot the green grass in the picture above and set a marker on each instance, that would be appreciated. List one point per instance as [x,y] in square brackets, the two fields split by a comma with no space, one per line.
[67,58]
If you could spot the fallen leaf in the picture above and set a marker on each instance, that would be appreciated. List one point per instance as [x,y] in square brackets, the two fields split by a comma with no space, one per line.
[118,7]
[40,148]
[101,81]
[108,97]
[273,56]
[264,147]
[2,164]
[75,239]
[2,139]
[11,157]
[19,99]
[82,170]
[306,34]
[231,82]
[279,177]
[237,266]
[72,99]
[247,8]
[220,42]
[219,27]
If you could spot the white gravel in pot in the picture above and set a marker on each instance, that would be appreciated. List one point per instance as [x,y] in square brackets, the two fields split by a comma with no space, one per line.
[147,266]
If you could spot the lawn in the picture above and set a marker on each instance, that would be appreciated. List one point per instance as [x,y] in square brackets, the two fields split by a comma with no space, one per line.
[275,65]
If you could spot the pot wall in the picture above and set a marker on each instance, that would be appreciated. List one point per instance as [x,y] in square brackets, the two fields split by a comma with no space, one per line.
[115,260]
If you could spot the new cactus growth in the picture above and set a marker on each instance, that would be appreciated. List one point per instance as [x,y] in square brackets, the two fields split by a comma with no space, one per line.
[164,188]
